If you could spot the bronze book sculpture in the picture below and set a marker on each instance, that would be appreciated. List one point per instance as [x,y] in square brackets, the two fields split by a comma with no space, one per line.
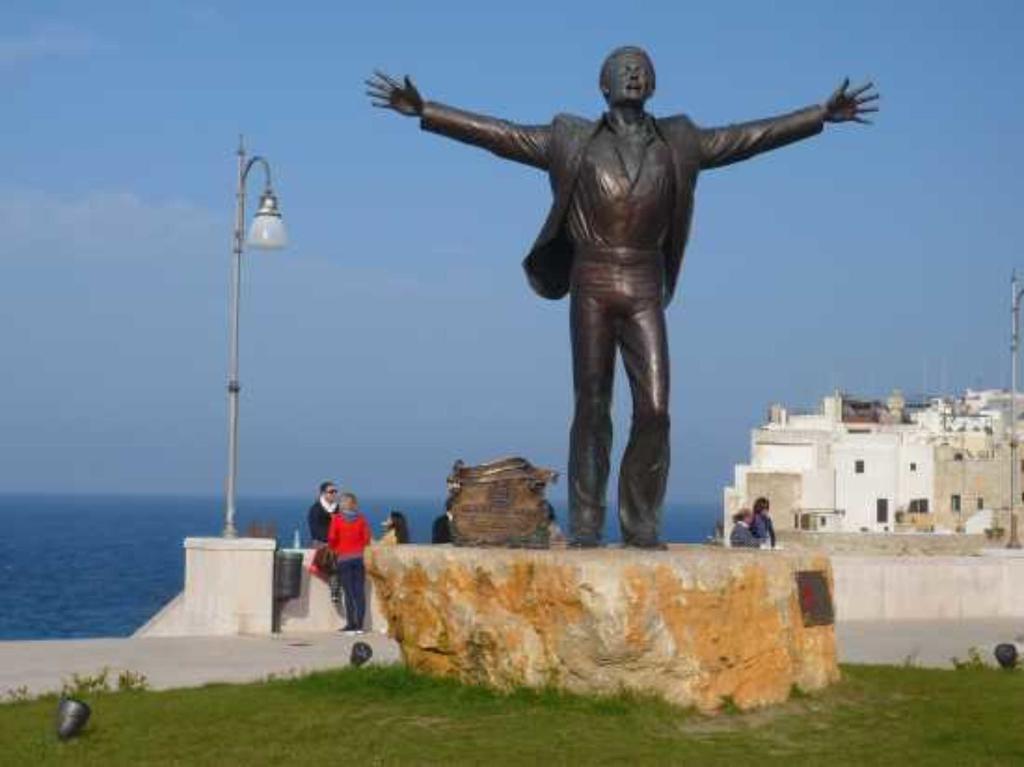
[499,503]
[614,241]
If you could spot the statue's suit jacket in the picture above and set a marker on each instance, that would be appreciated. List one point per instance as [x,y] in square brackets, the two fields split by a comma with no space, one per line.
[559,148]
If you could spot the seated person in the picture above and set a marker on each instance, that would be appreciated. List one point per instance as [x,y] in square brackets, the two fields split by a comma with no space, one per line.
[397,529]
[319,515]
[555,534]
[741,535]
[441,532]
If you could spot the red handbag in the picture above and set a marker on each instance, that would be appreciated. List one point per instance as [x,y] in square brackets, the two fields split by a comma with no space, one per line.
[323,563]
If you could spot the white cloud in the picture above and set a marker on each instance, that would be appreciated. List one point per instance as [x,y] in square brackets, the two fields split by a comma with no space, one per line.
[104,226]
[47,42]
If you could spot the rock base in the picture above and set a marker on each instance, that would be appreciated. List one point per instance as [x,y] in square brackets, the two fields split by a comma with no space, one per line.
[695,625]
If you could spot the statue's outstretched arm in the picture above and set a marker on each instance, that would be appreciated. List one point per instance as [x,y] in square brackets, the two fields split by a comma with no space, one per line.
[732,143]
[527,144]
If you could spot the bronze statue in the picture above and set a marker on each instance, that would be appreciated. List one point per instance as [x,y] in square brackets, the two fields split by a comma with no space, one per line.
[614,239]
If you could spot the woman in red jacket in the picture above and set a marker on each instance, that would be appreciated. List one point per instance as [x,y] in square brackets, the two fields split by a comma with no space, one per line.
[347,536]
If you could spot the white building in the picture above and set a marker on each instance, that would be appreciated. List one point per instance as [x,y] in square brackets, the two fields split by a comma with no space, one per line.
[863,466]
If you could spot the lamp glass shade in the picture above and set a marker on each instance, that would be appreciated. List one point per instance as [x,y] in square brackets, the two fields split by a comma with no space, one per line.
[267,232]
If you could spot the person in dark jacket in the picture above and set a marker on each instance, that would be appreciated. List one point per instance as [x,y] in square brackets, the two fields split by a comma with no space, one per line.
[319,517]
[741,537]
[441,532]
[320,512]
[762,526]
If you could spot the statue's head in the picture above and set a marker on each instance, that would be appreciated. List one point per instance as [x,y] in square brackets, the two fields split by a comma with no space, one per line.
[627,76]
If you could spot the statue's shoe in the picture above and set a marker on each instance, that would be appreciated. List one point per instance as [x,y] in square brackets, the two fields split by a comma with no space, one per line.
[651,545]
[585,542]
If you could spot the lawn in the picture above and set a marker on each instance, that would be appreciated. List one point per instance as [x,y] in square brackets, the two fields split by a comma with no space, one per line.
[388,715]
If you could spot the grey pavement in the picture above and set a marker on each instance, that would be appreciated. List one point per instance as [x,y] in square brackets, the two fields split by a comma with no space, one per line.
[43,666]
[928,643]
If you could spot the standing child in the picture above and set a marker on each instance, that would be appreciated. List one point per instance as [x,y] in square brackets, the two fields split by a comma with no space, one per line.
[348,536]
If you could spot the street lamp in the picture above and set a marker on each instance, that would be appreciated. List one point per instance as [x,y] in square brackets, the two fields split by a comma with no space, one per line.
[1014,542]
[267,233]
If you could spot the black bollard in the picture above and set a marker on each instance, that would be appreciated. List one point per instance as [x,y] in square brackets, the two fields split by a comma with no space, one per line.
[1007,655]
[361,653]
[72,714]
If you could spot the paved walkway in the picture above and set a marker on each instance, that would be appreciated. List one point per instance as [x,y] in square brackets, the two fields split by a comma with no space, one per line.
[924,643]
[42,666]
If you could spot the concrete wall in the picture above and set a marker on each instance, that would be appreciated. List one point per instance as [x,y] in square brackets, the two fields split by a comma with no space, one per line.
[313,611]
[229,586]
[783,457]
[858,494]
[884,544]
[819,490]
[229,591]
[783,492]
[916,475]
[981,478]
[925,588]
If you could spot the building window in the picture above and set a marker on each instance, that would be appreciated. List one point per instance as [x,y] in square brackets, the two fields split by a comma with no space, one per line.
[981,503]
[858,467]
[918,506]
[823,521]
[913,467]
[958,456]
[882,511]
[955,502]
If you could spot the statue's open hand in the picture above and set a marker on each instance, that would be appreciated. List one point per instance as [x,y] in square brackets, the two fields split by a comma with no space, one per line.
[843,106]
[388,93]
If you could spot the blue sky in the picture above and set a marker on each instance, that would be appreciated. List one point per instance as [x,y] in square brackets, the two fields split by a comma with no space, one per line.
[397,332]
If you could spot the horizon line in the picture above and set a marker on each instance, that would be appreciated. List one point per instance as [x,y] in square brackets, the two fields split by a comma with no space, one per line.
[265,496]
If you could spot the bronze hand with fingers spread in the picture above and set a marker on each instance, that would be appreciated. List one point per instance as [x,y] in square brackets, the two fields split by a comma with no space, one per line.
[387,93]
[843,106]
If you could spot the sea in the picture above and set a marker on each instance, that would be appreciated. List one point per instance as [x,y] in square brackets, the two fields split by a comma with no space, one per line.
[101,566]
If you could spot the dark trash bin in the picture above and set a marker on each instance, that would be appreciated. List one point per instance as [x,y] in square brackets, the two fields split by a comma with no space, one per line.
[287,574]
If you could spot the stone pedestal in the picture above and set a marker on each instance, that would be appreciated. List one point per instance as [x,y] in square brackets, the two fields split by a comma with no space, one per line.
[693,625]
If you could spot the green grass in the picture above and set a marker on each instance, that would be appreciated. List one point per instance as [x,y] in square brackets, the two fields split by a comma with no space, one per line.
[876,715]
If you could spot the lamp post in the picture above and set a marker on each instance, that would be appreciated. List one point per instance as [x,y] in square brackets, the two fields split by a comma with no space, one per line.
[1014,542]
[267,233]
